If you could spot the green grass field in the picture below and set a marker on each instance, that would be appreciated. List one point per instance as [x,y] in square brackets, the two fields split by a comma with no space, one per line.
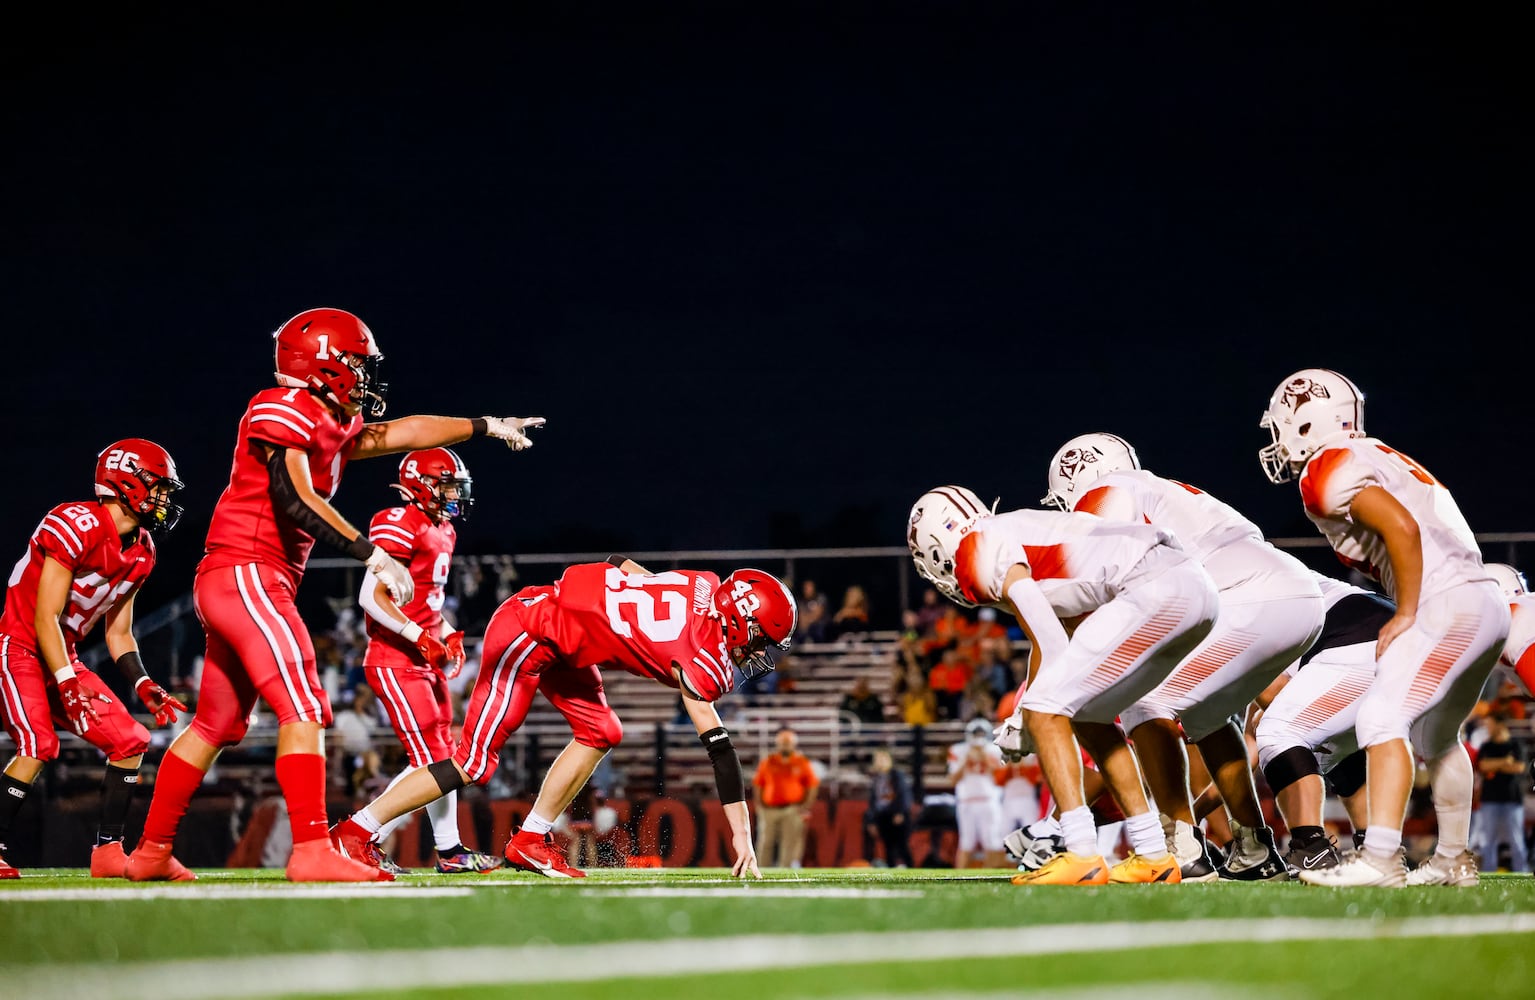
[691,933]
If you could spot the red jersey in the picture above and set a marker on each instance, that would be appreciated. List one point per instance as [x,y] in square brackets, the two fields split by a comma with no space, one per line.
[426,549]
[245,527]
[105,569]
[643,623]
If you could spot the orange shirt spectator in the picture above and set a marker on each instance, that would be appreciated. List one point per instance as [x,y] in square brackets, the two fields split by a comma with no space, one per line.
[784,780]
[950,675]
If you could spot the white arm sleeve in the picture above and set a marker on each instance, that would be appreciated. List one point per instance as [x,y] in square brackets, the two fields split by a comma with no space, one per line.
[403,627]
[1034,609]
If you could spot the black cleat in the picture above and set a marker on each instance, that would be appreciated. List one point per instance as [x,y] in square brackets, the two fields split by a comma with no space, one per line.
[1272,868]
[1314,855]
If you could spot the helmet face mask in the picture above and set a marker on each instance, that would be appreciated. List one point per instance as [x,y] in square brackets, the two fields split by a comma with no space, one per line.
[758,617]
[939,520]
[332,353]
[1308,410]
[1082,461]
[142,476]
[437,481]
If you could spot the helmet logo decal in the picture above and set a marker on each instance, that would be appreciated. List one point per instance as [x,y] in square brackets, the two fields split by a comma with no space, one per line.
[1074,459]
[746,602]
[1299,391]
[119,460]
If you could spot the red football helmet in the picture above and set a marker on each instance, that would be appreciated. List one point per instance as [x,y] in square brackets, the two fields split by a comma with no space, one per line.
[332,352]
[142,475]
[437,481]
[758,615]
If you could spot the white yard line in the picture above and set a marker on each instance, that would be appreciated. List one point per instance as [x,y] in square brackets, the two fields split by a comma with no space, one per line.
[439,968]
[757,891]
[275,890]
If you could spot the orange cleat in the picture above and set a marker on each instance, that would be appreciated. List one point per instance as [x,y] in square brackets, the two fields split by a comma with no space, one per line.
[318,861]
[108,860]
[1137,870]
[1067,868]
[151,862]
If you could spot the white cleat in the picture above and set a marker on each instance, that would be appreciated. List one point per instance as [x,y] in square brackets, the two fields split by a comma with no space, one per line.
[1439,870]
[1363,869]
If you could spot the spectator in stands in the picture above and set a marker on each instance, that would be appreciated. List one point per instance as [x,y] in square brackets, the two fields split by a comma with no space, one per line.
[1502,766]
[889,813]
[813,612]
[354,724]
[977,700]
[930,612]
[919,706]
[948,679]
[853,616]
[862,703]
[784,789]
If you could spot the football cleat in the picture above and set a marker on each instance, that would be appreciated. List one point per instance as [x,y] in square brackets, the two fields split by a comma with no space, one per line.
[1254,858]
[152,862]
[108,860]
[533,852]
[1193,851]
[319,861]
[1031,847]
[6,870]
[1067,868]
[1363,869]
[1458,871]
[460,862]
[1141,870]
[1314,855]
[352,841]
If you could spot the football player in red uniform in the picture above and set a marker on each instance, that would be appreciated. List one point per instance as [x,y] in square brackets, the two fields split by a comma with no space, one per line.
[686,629]
[293,444]
[413,651]
[85,563]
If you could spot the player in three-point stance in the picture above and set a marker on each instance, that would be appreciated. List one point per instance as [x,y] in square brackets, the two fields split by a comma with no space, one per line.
[686,629]
[85,563]
[293,443]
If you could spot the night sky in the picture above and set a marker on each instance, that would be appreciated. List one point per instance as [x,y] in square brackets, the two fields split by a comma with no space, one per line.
[770,276]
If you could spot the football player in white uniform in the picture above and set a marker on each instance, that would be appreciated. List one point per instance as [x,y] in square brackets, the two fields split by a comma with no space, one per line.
[973,763]
[1109,609]
[1519,650]
[1384,515]
[1270,613]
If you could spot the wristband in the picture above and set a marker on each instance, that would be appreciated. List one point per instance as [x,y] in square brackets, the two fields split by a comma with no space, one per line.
[480,426]
[132,667]
[64,673]
[410,632]
[141,680]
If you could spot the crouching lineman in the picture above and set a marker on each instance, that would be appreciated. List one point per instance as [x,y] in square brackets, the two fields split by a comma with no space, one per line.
[686,629]
[1519,650]
[1386,516]
[413,651]
[1148,605]
[85,562]
[1270,612]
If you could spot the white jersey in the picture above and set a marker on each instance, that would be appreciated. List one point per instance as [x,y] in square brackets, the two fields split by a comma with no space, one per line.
[1229,546]
[975,782]
[1334,591]
[1081,562]
[1341,471]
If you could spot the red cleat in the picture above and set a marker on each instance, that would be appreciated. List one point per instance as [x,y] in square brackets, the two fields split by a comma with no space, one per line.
[351,840]
[533,852]
[6,871]
[108,860]
[318,861]
[151,862]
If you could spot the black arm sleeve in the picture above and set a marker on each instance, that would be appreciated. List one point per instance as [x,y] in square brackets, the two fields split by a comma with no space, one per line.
[285,498]
[131,665]
[727,765]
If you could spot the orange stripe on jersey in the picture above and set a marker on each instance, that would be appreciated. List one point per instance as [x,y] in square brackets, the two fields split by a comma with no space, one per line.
[1195,672]
[1142,639]
[965,569]
[1525,669]
[1092,500]
[1456,641]
[1344,694]
[1313,482]
[1046,562]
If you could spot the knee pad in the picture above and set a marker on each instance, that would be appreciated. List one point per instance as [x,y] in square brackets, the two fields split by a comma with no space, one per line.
[1289,766]
[133,743]
[1347,776]
[1141,712]
[220,732]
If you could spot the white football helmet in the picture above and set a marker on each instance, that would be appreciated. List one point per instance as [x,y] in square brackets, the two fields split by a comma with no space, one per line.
[1081,461]
[1509,578]
[939,519]
[1310,409]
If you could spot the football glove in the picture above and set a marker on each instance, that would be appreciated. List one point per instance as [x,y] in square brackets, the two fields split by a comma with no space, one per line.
[159,701]
[455,643]
[394,576]
[77,705]
[432,650]
[510,430]
[1012,738]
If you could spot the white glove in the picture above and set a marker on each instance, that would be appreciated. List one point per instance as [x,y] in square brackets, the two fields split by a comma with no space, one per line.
[510,430]
[394,576]
[1012,738]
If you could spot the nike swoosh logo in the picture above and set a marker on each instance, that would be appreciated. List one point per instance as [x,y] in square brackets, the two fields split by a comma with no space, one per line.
[1313,862]
[542,866]
[1091,874]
